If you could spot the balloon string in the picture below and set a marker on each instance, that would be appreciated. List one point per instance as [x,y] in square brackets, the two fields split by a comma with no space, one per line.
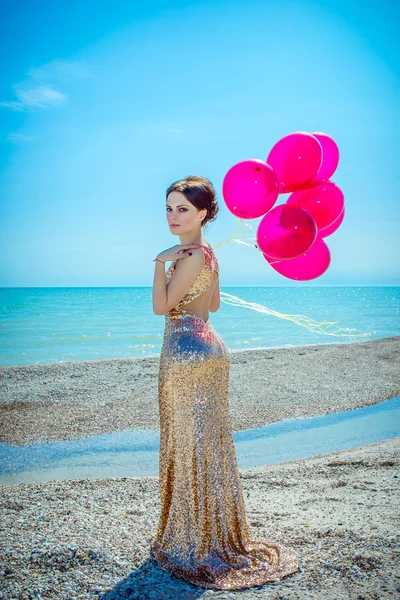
[233,238]
[240,241]
[302,320]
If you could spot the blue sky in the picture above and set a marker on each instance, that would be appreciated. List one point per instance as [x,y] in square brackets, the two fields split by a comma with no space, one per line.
[103,105]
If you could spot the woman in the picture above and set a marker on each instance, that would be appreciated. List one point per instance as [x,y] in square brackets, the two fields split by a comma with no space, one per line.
[202,534]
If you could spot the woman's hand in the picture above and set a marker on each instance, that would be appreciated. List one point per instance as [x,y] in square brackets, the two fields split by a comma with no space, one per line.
[178,251]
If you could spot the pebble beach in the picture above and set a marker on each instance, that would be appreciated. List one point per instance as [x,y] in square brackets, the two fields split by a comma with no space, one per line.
[71,400]
[90,538]
[86,538]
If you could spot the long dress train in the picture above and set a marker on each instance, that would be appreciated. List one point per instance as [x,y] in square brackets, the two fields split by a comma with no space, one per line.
[202,534]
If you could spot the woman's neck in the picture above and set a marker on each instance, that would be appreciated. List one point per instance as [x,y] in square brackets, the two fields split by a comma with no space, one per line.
[201,241]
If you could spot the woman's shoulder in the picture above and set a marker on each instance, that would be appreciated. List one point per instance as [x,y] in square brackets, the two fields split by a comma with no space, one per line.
[201,251]
[197,254]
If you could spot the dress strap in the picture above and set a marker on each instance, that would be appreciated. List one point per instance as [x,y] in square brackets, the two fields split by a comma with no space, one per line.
[213,261]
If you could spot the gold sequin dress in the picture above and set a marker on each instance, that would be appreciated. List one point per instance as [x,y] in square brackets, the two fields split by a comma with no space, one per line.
[202,534]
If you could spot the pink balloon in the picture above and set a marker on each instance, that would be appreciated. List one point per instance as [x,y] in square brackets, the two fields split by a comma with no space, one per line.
[324,201]
[296,159]
[310,265]
[322,233]
[286,232]
[250,188]
[330,156]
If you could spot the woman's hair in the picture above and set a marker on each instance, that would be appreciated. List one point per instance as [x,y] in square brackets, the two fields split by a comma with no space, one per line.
[200,192]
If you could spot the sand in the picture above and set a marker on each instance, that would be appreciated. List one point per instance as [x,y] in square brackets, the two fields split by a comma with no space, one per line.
[339,511]
[68,401]
[88,538]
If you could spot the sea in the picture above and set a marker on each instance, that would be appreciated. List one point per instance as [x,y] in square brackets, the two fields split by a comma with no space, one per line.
[47,325]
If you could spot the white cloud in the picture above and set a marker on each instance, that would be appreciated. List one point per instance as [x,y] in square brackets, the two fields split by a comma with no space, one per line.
[41,90]
[59,70]
[29,98]
[19,137]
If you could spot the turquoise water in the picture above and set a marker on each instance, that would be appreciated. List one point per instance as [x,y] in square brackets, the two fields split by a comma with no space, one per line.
[45,325]
[135,453]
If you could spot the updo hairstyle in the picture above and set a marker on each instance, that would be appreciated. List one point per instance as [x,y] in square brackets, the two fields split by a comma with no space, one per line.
[200,192]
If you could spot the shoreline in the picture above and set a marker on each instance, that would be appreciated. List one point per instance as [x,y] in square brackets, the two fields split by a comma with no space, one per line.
[338,511]
[48,402]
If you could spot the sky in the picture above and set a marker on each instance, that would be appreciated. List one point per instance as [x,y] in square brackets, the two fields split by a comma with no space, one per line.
[104,104]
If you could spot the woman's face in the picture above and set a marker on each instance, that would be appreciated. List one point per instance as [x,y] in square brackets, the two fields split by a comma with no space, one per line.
[183,214]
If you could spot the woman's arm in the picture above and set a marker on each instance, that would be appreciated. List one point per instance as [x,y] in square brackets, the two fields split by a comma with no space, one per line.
[167,295]
[159,286]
